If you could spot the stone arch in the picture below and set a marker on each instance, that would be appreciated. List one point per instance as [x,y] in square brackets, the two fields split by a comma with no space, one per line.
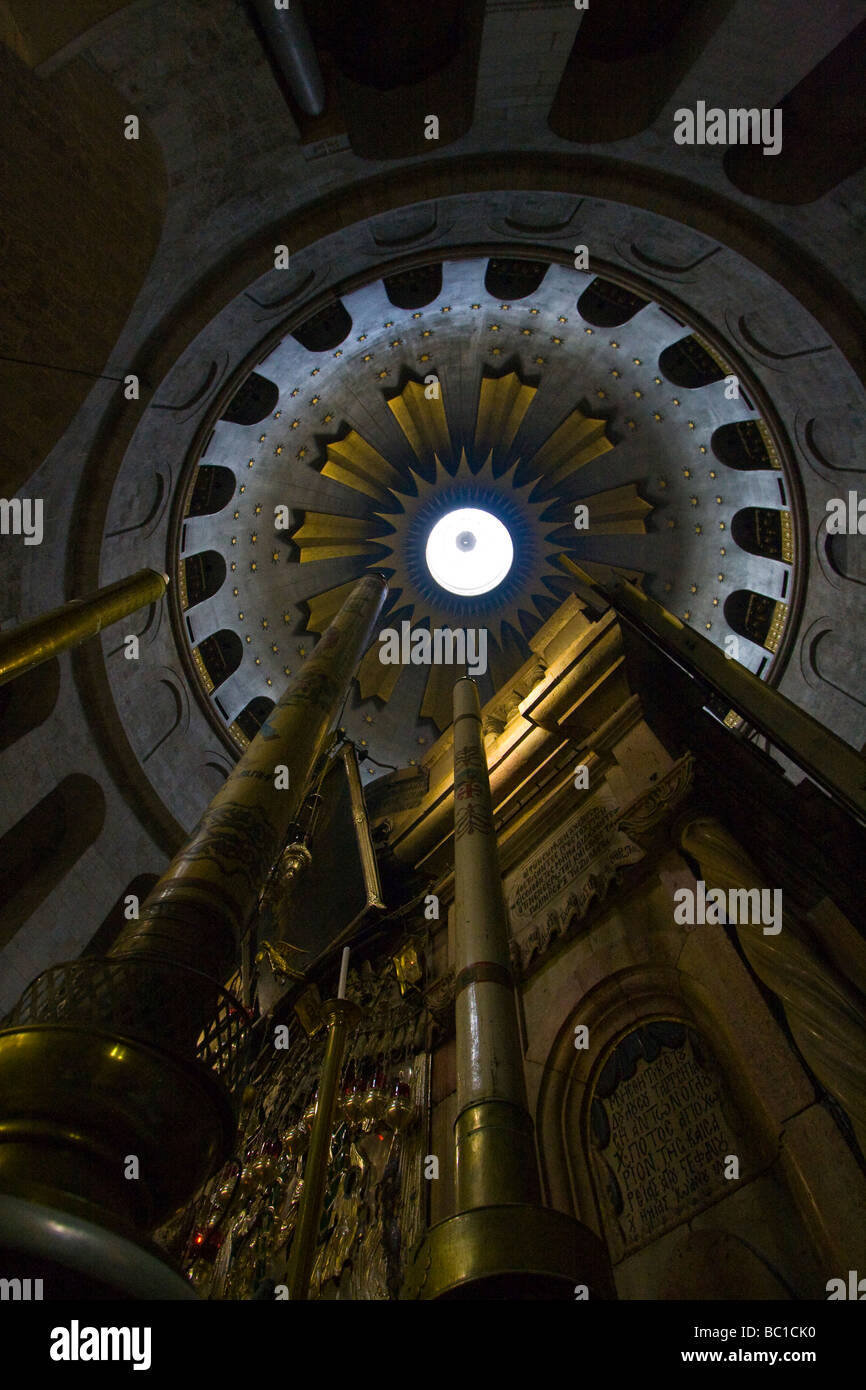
[640,49]
[512,278]
[607,305]
[824,132]
[38,851]
[688,364]
[254,399]
[27,701]
[326,330]
[611,1009]
[213,489]
[204,575]
[414,288]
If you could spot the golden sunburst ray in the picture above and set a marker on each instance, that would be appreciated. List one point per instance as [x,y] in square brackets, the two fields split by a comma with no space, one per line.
[402,499]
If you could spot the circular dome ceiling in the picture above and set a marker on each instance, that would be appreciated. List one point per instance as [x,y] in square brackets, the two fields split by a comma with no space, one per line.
[590,428]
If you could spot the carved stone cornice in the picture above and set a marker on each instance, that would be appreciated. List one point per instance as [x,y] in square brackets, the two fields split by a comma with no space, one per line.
[640,819]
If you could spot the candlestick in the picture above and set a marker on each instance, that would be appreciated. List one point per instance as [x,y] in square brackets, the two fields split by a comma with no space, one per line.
[344,970]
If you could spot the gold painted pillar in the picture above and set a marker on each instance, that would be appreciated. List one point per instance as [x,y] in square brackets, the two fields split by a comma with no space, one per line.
[496,1159]
[41,638]
[132,1054]
[825,1014]
[501,1243]
[196,911]
[341,1015]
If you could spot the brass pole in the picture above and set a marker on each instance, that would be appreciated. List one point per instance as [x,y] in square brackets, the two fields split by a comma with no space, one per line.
[493,1131]
[501,1242]
[199,907]
[341,1016]
[124,1054]
[41,638]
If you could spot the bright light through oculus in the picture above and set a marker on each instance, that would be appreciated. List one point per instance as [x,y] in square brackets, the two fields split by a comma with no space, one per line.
[469,551]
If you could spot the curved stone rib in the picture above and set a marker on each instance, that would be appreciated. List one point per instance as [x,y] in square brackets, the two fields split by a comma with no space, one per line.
[824,1013]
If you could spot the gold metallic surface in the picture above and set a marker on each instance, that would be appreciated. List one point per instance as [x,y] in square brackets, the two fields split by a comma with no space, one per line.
[76,1102]
[44,637]
[341,1015]
[508,1252]
[212,886]
[496,1160]
[369,863]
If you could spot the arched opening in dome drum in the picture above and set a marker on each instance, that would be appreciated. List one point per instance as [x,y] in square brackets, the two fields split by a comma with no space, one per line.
[221,655]
[325,330]
[38,852]
[123,911]
[607,305]
[763,531]
[741,445]
[255,399]
[751,615]
[688,364]
[396,61]
[26,702]
[507,278]
[823,132]
[413,289]
[214,488]
[626,62]
[203,575]
[253,716]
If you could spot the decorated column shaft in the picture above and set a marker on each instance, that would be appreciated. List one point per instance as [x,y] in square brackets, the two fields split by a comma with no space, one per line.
[196,911]
[44,637]
[496,1161]
[824,1012]
[340,1015]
